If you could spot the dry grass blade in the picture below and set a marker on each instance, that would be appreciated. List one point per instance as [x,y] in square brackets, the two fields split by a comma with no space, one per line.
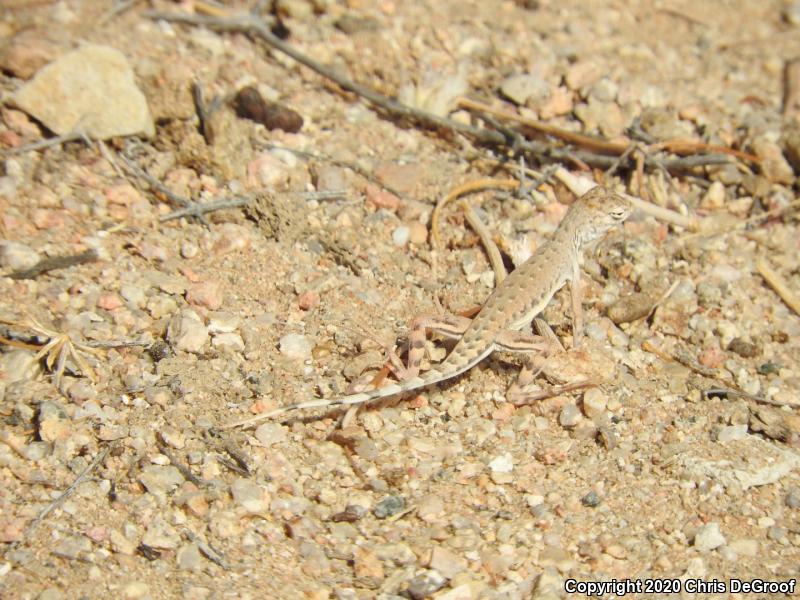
[58,348]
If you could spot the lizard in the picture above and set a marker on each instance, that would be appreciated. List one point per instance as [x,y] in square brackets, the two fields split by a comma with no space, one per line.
[511,307]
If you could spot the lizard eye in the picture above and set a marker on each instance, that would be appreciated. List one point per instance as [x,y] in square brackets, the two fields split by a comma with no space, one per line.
[618,214]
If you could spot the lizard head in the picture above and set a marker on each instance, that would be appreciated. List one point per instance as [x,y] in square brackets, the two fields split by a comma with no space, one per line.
[597,211]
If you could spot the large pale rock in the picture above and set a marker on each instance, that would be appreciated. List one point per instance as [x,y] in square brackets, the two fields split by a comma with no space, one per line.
[91,89]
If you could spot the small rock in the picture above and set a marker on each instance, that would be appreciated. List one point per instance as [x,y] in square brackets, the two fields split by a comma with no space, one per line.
[594,402]
[133,294]
[401,235]
[249,496]
[418,233]
[295,346]
[502,464]
[231,342]
[367,567]
[523,88]
[223,322]
[189,249]
[249,104]
[714,197]
[135,590]
[206,293]
[570,416]
[27,52]
[186,332]
[446,563]
[774,165]
[160,480]
[109,301]
[730,433]
[425,584]
[91,89]
[308,300]
[270,433]
[389,506]
[745,547]
[161,535]
[591,499]
[776,533]
[16,256]
[793,498]
[381,198]
[708,538]
[53,422]
[329,178]
[189,558]
[743,348]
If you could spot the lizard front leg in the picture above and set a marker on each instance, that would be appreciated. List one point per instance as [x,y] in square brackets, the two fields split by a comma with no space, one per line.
[576,294]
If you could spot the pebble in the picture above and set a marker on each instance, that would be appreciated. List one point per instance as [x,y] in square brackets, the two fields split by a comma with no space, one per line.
[774,165]
[223,322]
[187,332]
[160,480]
[270,433]
[591,499]
[161,535]
[133,294]
[389,506]
[594,402]
[189,249]
[367,567]
[53,422]
[502,464]
[708,538]
[418,233]
[76,90]
[401,235]
[426,583]
[27,52]
[793,498]
[523,88]
[745,547]
[206,293]
[730,433]
[714,197]
[570,416]
[249,495]
[135,590]
[381,198]
[231,342]
[445,562]
[188,558]
[295,346]
[16,256]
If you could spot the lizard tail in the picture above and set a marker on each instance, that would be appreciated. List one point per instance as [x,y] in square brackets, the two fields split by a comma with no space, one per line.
[428,378]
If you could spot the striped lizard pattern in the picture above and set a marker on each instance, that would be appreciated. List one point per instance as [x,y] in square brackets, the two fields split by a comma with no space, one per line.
[511,307]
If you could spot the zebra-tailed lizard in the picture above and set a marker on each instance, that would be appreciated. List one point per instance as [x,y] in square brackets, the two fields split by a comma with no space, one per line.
[512,306]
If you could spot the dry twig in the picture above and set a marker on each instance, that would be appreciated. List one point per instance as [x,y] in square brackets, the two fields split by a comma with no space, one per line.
[777,283]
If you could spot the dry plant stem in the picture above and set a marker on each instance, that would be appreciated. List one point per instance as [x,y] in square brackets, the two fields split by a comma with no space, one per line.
[677,146]
[467,188]
[55,141]
[558,391]
[185,471]
[101,456]
[738,394]
[258,29]
[53,263]
[580,185]
[486,238]
[778,285]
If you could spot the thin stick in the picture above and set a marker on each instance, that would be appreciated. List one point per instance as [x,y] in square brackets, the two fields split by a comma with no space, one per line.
[53,263]
[738,394]
[777,283]
[101,456]
[54,141]
[488,243]
[467,188]
[557,391]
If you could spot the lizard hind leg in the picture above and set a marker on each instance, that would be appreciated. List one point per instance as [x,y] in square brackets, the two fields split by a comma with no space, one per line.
[446,325]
